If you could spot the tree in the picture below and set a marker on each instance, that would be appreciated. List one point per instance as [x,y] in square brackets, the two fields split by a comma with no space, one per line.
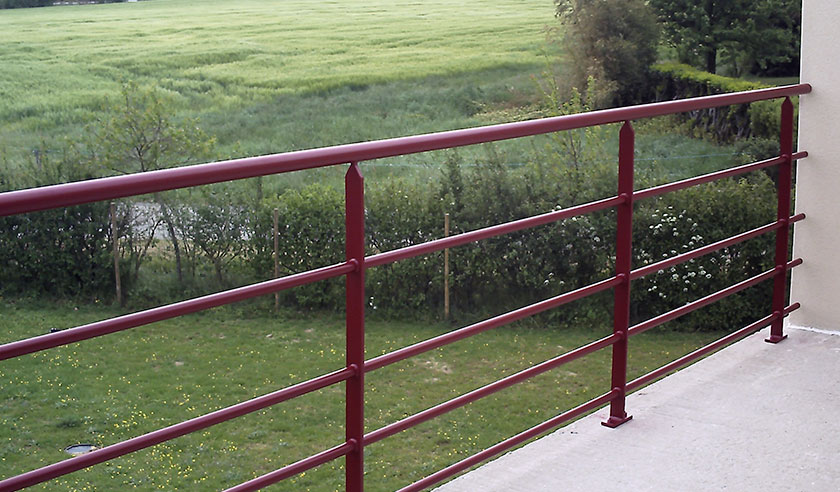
[748,34]
[139,135]
[770,41]
[218,226]
[613,41]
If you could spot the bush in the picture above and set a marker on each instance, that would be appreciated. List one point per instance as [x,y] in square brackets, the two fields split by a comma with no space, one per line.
[691,218]
[400,214]
[60,253]
[510,271]
[215,225]
[311,236]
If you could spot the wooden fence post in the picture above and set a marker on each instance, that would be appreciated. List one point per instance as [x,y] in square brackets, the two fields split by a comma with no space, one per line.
[276,260]
[446,269]
[114,239]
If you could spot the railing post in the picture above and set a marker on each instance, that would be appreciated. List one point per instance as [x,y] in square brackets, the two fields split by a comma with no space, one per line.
[623,263]
[783,214]
[354,190]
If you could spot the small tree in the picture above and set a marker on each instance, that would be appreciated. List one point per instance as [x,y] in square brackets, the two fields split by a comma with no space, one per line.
[137,227]
[218,227]
[139,135]
[574,148]
[613,41]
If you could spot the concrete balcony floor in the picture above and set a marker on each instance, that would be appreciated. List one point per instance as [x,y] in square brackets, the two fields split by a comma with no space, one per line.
[752,417]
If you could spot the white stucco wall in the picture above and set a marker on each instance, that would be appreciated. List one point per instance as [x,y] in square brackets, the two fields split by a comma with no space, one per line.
[816,283]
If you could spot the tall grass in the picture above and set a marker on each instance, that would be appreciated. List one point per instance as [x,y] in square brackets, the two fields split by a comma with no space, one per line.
[269,75]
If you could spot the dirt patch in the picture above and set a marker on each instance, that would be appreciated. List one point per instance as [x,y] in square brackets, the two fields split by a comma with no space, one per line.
[435,365]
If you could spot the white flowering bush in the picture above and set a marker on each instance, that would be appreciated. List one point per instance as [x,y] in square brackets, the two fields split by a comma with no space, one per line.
[692,218]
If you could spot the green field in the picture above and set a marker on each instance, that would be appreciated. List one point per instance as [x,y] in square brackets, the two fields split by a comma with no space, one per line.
[274,76]
[270,76]
[112,388]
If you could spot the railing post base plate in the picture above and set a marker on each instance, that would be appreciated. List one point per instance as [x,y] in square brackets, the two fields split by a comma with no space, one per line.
[775,338]
[614,422]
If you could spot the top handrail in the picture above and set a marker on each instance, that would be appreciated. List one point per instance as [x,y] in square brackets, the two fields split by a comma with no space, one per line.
[68,194]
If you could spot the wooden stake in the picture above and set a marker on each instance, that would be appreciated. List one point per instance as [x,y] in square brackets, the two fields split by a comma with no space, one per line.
[446,269]
[116,253]
[276,260]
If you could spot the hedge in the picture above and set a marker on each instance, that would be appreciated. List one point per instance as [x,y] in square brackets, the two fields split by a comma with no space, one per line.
[510,271]
[66,253]
[726,124]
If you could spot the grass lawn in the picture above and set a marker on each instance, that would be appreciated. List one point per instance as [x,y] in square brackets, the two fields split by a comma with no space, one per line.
[104,390]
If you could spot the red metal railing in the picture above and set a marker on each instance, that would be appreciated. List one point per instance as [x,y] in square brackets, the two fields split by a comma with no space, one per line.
[355,264]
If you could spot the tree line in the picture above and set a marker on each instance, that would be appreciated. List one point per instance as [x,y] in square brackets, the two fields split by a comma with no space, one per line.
[191,242]
[616,41]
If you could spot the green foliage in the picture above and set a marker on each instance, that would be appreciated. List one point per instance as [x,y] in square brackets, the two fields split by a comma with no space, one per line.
[527,266]
[137,226]
[138,134]
[311,236]
[760,119]
[774,48]
[401,213]
[756,36]
[704,83]
[579,147]
[216,225]
[612,40]
[692,218]
[60,253]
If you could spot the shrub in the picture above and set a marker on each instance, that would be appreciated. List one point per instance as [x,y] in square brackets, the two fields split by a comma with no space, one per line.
[60,253]
[311,236]
[215,225]
[399,214]
[691,218]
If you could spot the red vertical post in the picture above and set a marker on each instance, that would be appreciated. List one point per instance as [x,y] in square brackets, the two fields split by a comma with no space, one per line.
[623,261]
[354,195]
[782,216]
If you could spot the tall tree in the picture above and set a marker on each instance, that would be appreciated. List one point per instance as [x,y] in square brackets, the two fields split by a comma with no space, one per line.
[748,34]
[613,41]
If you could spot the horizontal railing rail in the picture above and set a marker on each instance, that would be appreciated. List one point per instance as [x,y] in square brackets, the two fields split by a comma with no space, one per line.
[353,269]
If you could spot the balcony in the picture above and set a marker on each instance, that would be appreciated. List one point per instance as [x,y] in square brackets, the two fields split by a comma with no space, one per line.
[752,403]
[753,416]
